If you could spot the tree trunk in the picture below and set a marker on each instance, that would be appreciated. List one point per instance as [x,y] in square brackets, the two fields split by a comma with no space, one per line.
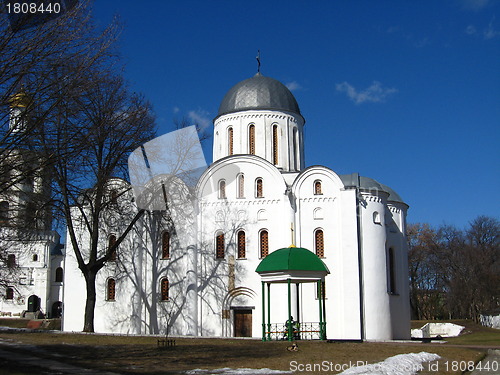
[90,278]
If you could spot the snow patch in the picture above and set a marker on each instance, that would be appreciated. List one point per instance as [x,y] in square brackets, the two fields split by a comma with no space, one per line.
[401,364]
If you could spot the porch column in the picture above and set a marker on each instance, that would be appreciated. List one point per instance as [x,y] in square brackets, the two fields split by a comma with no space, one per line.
[269,311]
[263,311]
[290,333]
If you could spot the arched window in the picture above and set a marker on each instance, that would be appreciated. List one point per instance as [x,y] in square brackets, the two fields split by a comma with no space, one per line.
[111,247]
[113,197]
[259,188]
[222,189]
[391,271]
[165,245]
[264,243]
[241,186]
[59,275]
[9,293]
[164,289]
[317,187]
[35,258]
[241,245]
[319,243]
[110,292]
[4,212]
[251,139]
[230,141]
[275,144]
[11,260]
[219,245]
[376,218]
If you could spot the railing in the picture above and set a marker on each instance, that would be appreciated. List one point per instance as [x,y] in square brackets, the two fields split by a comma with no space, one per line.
[299,331]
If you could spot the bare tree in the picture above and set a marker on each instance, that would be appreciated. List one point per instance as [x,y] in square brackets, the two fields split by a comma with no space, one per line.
[454,273]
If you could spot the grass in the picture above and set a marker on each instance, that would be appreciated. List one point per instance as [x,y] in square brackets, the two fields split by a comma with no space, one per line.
[140,355]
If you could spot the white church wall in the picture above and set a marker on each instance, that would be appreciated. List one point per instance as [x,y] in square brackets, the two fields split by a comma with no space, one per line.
[377,314]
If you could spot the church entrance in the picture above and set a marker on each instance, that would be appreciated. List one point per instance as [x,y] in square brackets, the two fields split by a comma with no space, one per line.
[242,323]
[33,303]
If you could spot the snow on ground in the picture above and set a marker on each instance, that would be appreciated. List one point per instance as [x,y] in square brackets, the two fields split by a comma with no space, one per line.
[401,364]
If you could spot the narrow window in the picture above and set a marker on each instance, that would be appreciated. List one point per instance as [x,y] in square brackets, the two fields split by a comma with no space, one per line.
[111,247]
[9,293]
[114,197]
[317,188]
[241,186]
[111,290]
[59,275]
[4,212]
[376,218]
[219,246]
[295,148]
[392,271]
[259,191]
[11,261]
[241,245]
[230,141]
[264,244]
[275,144]
[35,258]
[222,189]
[321,290]
[251,140]
[319,243]
[164,286]
[165,245]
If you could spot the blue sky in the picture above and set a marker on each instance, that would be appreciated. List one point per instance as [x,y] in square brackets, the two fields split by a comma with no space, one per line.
[407,93]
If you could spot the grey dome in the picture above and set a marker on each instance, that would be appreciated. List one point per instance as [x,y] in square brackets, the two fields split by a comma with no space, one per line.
[367,183]
[258,92]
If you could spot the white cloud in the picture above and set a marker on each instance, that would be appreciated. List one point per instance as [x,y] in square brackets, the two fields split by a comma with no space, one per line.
[471,30]
[490,32]
[294,85]
[475,5]
[373,94]
[200,118]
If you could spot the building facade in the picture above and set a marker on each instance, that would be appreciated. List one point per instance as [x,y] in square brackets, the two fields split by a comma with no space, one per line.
[190,269]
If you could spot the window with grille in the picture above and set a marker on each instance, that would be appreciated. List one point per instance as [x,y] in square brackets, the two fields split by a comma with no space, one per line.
[11,260]
[241,186]
[4,212]
[110,296]
[251,140]
[219,246]
[230,141]
[259,188]
[275,144]
[164,286]
[59,275]
[111,247]
[264,243]
[319,243]
[241,245]
[165,245]
[9,293]
[222,189]
[317,188]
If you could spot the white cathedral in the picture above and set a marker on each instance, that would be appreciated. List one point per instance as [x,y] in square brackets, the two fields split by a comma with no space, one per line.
[265,241]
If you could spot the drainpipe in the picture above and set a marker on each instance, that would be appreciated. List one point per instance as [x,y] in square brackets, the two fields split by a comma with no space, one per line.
[360,264]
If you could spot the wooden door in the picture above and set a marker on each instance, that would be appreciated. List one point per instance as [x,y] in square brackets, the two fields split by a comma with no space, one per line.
[242,323]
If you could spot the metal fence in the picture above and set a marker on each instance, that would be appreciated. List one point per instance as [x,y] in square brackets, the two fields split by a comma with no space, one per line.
[299,331]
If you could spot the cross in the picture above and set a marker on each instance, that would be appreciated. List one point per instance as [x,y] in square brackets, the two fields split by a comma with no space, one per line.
[258,60]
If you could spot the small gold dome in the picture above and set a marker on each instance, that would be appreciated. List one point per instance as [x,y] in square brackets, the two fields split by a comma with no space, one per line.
[20,100]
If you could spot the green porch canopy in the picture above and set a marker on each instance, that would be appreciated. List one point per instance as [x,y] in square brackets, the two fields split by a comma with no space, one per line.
[291,265]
